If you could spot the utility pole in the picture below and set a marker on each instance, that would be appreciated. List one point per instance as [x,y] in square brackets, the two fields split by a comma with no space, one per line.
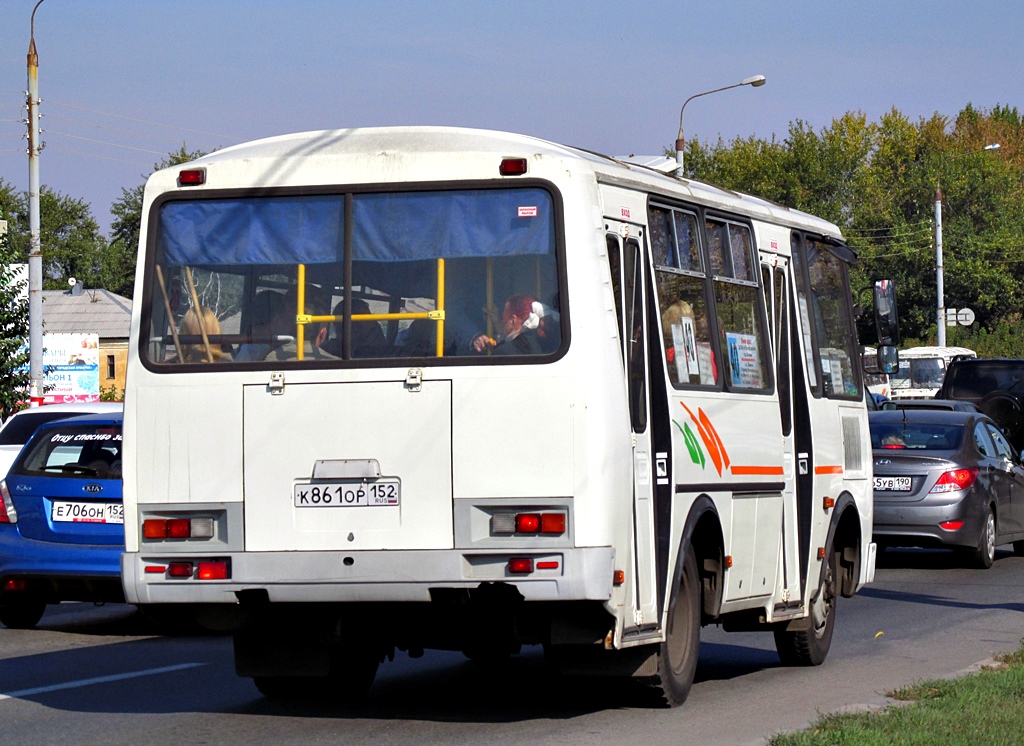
[940,337]
[35,254]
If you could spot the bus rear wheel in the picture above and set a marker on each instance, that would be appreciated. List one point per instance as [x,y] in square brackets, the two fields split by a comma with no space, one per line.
[809,647]
[677,656]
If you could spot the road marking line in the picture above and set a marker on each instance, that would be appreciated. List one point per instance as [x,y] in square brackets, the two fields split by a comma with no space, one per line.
[97,680]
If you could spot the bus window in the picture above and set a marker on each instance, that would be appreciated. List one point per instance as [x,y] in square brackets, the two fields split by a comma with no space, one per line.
[826,316]
[675,243]
[313,279]
[738,303]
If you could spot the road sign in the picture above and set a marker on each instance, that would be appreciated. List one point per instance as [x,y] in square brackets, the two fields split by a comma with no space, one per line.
[965,316]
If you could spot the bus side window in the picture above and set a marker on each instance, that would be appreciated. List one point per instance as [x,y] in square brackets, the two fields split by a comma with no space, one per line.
[682,297]
[738,303]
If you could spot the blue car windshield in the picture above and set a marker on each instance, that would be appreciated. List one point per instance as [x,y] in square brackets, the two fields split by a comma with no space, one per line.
[92,451]
[916,436]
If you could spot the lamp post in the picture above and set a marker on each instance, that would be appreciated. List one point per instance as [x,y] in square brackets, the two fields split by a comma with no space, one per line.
[940,317]
[754,81]
[35,254]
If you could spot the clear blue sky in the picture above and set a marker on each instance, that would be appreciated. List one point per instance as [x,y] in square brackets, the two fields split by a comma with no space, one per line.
[124,82]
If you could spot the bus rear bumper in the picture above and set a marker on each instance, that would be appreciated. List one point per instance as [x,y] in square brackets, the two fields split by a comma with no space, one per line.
[565,574]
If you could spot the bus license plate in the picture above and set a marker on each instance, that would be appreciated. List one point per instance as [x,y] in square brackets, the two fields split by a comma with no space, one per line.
[892,484]
[64,511]
[349,493]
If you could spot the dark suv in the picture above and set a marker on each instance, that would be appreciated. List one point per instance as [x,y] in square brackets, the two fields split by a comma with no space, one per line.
[995,386]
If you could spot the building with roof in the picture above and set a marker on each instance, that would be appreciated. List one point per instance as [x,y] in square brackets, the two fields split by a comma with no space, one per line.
[86,311]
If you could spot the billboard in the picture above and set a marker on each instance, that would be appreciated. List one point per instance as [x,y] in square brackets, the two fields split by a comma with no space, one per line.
[71,368]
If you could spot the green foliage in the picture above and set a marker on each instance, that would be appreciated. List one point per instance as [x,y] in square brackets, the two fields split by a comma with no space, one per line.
[984,707]
[878,182]
[119,268]
[13,325]
[69,237]
[111,393]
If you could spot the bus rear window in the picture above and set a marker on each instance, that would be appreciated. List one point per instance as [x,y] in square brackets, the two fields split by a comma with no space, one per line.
[317,279]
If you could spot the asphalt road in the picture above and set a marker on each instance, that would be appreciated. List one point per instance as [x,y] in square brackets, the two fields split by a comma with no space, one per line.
[104,676]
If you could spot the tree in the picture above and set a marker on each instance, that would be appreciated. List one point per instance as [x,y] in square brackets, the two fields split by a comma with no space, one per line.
[119,260]
[877,181]
[14,373]
[72,245]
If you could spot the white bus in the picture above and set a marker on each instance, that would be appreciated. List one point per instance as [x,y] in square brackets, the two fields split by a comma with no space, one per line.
[406,388]
[921,370]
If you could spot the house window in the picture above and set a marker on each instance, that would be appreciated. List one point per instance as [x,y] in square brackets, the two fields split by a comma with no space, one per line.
[110,366]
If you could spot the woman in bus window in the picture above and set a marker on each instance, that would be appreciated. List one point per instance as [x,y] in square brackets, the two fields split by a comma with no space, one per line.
[528,326]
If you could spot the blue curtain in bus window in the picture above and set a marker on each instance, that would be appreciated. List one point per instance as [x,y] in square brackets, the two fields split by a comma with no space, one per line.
[260,230]
[414,226]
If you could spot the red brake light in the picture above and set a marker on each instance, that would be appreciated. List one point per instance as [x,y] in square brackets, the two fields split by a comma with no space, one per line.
[214,570]
[520,565]
[527,523]
[180,569]
[552,523]
[192,177]
[893,445]
[955,480]
[952,525]
[179,528]
[7,512]
[512,167]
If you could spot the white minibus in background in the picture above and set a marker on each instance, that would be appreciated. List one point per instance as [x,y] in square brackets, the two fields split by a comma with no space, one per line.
[921,370]
[406,388]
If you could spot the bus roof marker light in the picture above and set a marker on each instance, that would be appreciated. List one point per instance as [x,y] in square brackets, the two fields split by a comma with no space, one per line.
[512,167]
[192,177]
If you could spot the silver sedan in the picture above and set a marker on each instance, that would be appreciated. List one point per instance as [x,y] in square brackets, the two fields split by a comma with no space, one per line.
[946,479]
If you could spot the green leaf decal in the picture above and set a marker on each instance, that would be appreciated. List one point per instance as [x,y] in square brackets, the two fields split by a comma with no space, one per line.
[696,452]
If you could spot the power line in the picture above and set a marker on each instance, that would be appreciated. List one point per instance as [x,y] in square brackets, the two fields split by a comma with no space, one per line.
[141,121]
[59,149]
[103,142]
[102,127]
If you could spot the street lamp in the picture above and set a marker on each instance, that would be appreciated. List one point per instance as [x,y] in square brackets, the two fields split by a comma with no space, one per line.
[940,318]
[754,81]
[35,254]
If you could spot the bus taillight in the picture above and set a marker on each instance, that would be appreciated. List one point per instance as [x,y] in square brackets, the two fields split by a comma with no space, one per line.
[528,523]
[177,528]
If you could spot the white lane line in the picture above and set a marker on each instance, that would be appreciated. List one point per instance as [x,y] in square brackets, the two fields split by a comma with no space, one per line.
[97,680]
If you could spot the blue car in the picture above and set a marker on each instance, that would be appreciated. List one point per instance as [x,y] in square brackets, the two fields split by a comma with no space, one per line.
[62,519]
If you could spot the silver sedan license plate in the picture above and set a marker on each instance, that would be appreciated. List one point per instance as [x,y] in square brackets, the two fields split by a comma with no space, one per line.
[892,484]
[349,493]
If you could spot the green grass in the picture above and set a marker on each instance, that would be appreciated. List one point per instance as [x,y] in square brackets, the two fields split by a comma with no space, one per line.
[980,709]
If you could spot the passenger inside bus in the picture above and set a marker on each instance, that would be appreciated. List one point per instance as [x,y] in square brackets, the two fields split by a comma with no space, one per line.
[367,336]
[267,308]
[528,327]
[193,327]
[315,333]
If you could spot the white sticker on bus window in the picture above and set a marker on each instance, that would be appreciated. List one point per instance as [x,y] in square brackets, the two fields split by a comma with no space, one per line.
[744,361]
[706,363]
[687,344]
[528,212]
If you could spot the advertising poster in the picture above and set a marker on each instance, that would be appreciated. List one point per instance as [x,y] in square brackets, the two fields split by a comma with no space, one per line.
[71,365]
[744,363]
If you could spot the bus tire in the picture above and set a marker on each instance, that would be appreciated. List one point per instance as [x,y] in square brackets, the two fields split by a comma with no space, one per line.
[809,647]
[677,656]
[22,614]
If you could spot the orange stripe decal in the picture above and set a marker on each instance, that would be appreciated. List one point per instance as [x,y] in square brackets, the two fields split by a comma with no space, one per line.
[760,471]
[718,440]
[709,440]
[828,470]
